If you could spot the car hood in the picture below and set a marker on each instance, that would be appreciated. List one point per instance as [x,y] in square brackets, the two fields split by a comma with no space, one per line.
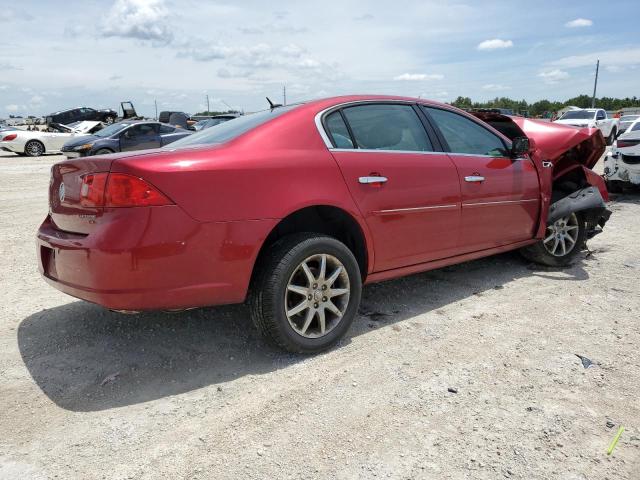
[81,140]
[555,140]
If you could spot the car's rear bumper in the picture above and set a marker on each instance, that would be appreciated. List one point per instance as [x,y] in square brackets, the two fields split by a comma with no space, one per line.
[12,147]
[151,259]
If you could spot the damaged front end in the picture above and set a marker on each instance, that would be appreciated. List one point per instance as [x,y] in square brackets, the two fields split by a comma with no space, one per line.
[564,157]
[588,202]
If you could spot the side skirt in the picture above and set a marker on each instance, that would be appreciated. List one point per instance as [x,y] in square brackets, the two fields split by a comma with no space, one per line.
[444,262]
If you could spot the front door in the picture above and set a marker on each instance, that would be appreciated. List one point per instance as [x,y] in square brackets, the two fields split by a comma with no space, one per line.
[500,194]
[408,194]
[140,136]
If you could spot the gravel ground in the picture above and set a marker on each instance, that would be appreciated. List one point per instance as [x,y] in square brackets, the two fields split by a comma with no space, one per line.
[90,394]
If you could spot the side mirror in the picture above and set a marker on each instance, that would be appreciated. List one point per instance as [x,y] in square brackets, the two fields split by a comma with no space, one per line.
[519,146]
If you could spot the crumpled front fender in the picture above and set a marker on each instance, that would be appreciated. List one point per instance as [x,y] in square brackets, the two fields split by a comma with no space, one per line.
[589,202]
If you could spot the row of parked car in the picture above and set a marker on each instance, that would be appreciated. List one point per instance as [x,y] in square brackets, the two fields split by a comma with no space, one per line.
[90,137]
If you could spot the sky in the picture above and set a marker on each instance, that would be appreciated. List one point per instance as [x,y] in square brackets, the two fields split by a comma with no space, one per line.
[96,53]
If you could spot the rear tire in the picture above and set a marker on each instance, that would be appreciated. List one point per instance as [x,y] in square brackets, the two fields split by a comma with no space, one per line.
[570,230]
[34,148]
[305,309]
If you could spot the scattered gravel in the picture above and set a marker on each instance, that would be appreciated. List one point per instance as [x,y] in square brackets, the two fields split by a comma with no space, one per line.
[91,394]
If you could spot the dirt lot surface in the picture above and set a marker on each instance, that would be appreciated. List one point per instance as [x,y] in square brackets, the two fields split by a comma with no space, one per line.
[90,394]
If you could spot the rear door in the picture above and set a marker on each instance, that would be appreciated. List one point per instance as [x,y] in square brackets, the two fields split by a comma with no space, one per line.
[500,194]
[407,192]
[140,136]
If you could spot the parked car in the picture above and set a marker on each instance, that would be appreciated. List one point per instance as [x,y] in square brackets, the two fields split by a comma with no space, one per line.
[592,118]
[296,207]
[124,137]
[65,117]
[35,143]
[210,122]
[626,121]
[622,163]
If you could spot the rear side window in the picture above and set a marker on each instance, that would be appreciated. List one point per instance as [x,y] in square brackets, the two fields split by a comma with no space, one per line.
[466,136]
[338,131]
[635,127]
[167,129]
[387,127]
[600,115]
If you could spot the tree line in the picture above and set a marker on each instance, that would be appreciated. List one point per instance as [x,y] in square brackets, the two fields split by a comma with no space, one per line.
[542,107]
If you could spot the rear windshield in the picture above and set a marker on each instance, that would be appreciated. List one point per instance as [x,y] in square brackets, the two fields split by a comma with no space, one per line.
[578,115]
[229,130]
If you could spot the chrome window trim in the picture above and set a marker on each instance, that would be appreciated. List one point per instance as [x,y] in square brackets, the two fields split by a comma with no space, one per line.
[373,150]
[325,136]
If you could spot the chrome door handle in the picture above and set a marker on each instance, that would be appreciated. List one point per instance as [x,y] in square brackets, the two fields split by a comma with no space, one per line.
[547,164]
[367,180]
[474,178]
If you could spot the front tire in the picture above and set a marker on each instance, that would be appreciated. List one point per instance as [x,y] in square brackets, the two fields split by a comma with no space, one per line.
[109,119]
[306,293]
[34,148]
[563,241]
[612,136]
[103,151]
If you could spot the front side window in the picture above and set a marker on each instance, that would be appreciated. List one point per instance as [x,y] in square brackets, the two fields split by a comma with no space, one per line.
[167,129]
[337,130]
[466,136]
[600,115]
[635,127]
[387,127]
[142,130]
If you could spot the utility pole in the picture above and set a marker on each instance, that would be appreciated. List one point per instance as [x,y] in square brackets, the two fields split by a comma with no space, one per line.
[155,102]
[208,111]
[284,95]
[595,85]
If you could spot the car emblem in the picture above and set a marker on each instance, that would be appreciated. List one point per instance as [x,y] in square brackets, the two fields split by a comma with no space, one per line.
[61,192]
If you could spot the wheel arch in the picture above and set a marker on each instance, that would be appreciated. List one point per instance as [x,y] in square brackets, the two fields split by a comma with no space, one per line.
[325,219]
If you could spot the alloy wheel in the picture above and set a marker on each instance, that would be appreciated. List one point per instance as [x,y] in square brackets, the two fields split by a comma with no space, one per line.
[561,236]
[317,295]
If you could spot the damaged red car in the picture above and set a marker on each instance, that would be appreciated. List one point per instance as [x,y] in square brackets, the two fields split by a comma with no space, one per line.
[296,207]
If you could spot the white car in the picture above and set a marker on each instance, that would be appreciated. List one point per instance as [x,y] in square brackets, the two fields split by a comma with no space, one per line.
[592,118]
[622,164]
[36,143]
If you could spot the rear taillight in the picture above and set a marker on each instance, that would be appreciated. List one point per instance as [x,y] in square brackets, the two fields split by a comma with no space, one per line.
[129,191]
[9,137]
[119,190]
[627,143]
[92,189]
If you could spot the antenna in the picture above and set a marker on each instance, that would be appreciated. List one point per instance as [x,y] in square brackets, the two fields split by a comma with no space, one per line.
[273,105]
[595,85]
[284,95]
[208,109]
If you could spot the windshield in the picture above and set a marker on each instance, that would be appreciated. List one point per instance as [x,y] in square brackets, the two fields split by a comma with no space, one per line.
[229,130]
[578,115]
[111,130]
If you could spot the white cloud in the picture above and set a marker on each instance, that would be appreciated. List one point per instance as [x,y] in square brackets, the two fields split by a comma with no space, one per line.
[413,77]
[36,100]
[494,44]
[553,76]
[621,57]
[495,87]
[579,22]
[141,19]
[11,108]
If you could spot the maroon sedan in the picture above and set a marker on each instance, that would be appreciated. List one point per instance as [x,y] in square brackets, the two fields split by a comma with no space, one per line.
[294,208]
